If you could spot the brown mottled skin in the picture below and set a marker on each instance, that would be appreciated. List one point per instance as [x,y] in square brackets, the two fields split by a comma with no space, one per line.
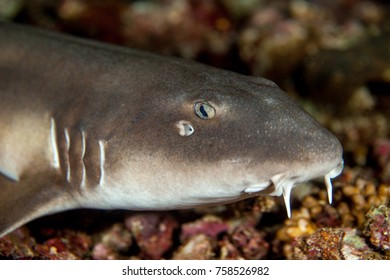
[130,101]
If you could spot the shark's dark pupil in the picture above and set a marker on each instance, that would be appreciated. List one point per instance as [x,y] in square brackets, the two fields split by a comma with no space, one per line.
[203,111]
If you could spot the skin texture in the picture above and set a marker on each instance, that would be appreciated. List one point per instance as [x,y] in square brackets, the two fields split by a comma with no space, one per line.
[86,124]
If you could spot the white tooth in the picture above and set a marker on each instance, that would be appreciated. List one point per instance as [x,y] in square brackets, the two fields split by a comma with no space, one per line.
[286,195]
[332,174]
[283,186]
[329,187]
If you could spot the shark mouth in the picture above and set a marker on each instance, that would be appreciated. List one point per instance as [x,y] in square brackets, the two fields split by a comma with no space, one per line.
[283,185]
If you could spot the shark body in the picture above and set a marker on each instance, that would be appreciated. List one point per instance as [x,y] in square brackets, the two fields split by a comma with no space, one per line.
[90,125]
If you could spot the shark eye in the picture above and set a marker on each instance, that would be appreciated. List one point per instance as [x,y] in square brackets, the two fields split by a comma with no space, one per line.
[204,110]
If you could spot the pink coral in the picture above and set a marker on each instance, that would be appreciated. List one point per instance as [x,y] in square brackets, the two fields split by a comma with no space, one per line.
[153,233]
[378,227]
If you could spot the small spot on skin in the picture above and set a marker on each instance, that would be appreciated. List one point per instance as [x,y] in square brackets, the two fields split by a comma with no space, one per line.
[185,128]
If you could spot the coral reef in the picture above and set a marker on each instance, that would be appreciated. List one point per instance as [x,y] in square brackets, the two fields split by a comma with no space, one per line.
[60,245]
[152,233]
[377,228]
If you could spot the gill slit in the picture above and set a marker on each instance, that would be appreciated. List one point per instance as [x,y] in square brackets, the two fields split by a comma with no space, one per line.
[67,142]
[83,148]
[102,162]
[54,146]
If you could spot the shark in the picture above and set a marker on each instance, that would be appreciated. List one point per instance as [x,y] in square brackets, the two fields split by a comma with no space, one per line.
[85,124]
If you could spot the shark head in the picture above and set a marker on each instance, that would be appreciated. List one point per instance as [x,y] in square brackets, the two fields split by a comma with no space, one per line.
[216,138]
[114,128]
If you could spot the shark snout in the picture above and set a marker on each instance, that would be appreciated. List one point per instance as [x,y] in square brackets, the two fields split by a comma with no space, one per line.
[325,150]
[324,158]
[305,150]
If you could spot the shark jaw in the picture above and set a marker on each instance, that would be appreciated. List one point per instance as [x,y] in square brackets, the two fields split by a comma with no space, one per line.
[283,185]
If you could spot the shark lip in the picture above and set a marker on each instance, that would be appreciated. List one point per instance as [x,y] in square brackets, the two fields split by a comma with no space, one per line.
[284,183]
[258,187]
[337,170]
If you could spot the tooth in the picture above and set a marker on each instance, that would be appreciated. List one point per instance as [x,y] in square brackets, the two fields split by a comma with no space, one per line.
[329,187]
[280,182]
[332,174]
[286,197]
